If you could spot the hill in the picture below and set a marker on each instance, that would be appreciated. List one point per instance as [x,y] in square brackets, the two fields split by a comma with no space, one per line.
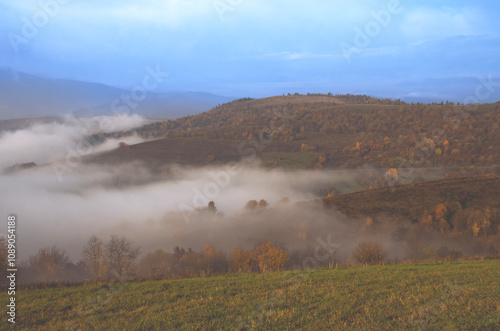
[461,212]
[460,295]
[24,95]
[342,131]
[411,201]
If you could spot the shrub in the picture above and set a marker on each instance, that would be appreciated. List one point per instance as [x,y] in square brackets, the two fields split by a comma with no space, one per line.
[369,252]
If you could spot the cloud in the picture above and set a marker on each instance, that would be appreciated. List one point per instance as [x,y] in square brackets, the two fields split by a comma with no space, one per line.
[436,23]
[257,42]
[47,142]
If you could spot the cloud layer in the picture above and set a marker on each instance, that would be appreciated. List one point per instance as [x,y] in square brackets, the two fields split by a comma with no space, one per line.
[46,142]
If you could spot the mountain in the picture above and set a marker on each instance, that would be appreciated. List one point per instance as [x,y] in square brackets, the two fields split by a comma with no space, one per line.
[25,95]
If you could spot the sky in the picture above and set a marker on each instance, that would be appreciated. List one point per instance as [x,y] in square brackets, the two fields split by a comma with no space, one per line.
[257,48]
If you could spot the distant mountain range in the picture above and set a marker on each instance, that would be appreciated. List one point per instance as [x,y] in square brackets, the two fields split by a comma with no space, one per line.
[25,95]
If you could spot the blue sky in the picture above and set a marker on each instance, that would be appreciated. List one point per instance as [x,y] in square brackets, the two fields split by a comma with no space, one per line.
[257,48]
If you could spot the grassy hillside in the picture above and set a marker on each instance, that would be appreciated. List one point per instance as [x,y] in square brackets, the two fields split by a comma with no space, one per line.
[410,201]
[192,151]
[346,131]
[454,296]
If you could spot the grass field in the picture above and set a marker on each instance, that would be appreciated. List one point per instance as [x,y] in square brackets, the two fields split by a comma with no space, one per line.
[452,296]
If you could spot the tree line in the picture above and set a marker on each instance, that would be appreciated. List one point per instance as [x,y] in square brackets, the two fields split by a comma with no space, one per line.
[119,259]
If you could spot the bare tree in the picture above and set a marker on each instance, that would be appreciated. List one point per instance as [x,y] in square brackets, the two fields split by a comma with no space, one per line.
[120,255]
[94,257]
[49,264]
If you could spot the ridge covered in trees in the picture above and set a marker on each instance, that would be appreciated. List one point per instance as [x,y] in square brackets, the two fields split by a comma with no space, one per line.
[327,131]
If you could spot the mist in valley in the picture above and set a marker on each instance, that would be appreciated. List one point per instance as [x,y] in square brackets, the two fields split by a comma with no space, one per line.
[64,200]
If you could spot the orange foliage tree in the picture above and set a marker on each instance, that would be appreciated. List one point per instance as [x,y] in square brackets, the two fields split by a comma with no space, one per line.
[263,203]
[269,257]
[251,205]
[241,260]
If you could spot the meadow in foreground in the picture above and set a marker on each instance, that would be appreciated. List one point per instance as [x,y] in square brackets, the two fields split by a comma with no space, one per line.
[455,295]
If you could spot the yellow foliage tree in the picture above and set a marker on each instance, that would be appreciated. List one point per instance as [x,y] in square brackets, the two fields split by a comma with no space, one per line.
[392,176]
[446,145]
[241,260]
[475,229]
[210,250]
[269,257]
[426,221]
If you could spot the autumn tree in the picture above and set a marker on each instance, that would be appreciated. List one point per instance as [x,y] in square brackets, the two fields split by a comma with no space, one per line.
[479,223]
[156,265]
[305,148]
[214,261]
[251,205]
[94,257]
[241,260]
[392,176]
[369,252]
[120,255]
[269,257]
[123,145]
[321,161]
[427,221]
[262,203]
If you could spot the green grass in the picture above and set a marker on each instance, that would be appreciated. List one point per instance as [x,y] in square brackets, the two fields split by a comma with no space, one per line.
[451,296]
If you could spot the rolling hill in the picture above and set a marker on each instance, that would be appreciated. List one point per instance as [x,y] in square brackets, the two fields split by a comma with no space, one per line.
[412,200]
[326,131]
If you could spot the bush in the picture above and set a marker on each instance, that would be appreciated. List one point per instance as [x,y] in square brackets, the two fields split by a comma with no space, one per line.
[156,265]
[450,254]
[369,252]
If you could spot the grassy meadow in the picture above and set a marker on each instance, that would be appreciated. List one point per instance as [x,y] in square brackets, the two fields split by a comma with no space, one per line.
[452,296]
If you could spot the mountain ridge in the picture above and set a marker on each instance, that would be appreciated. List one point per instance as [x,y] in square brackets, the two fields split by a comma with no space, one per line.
[26,95]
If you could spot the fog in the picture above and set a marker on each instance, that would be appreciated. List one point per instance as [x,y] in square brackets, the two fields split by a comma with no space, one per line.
[158,211]
[46,142]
